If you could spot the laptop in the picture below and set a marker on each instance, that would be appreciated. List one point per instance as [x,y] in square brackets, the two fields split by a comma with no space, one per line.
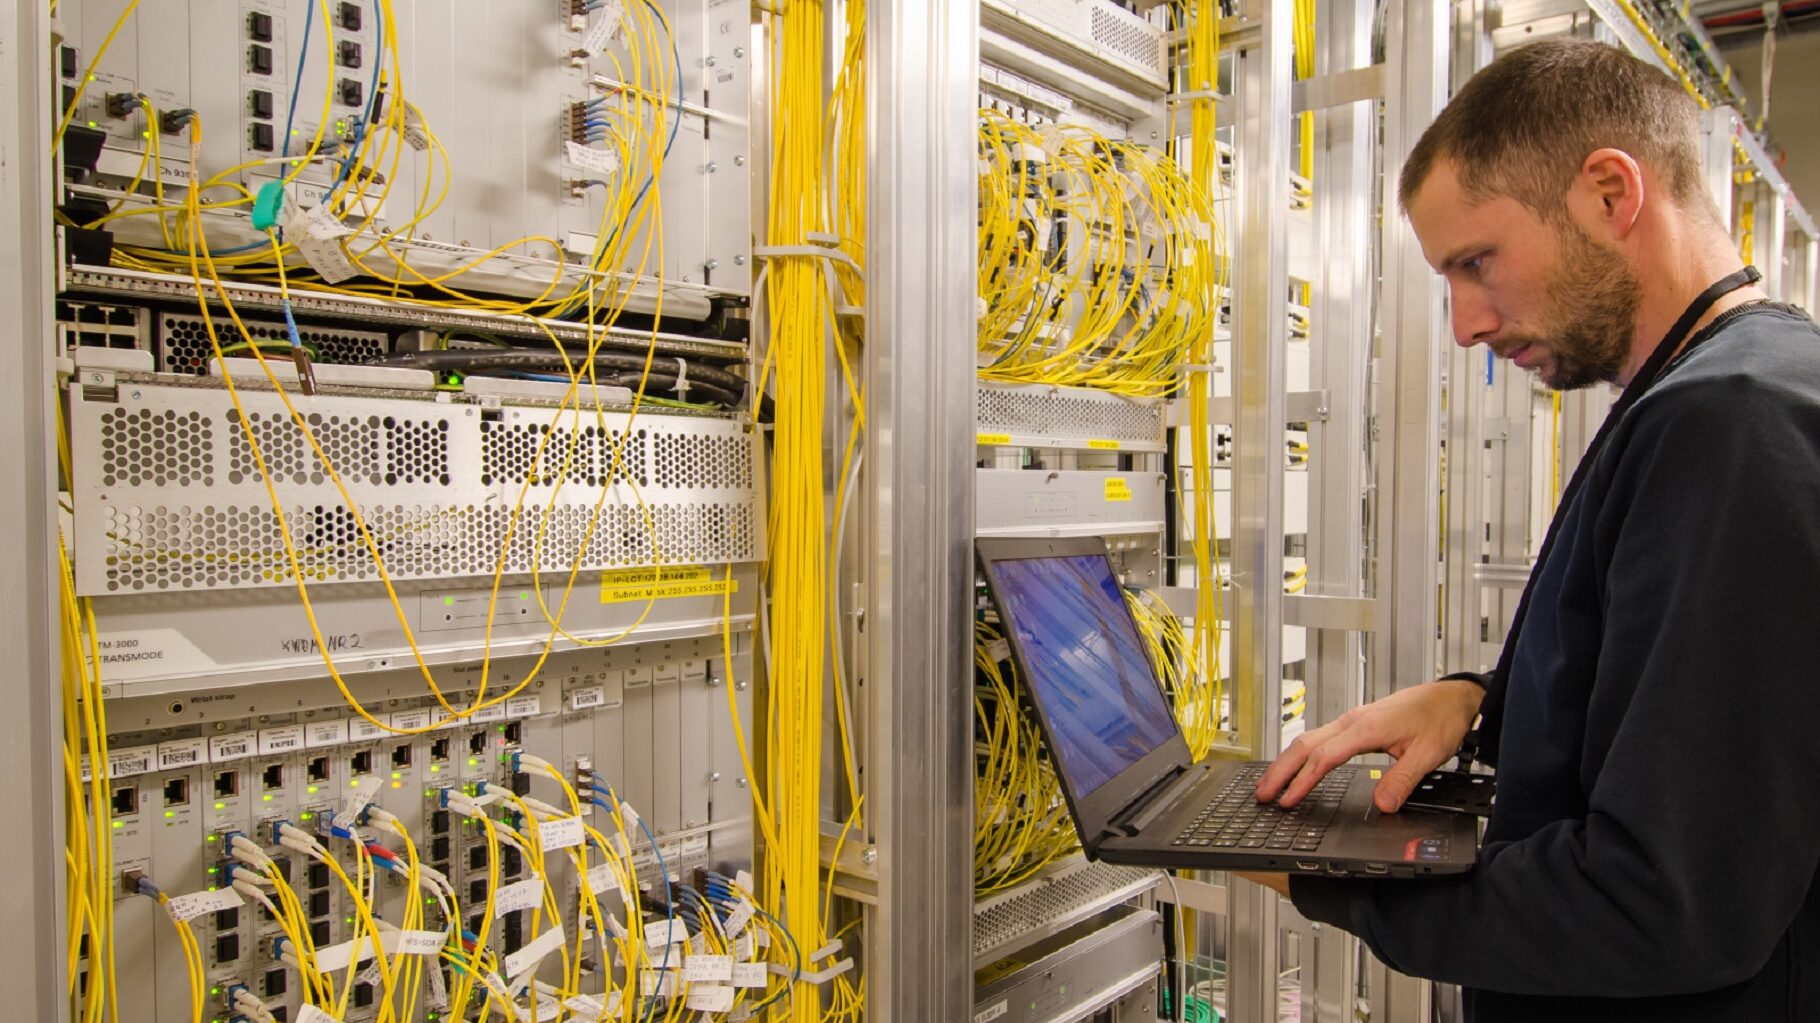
[1134,793]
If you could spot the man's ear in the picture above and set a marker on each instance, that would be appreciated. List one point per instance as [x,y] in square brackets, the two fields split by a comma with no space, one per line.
[1608,192]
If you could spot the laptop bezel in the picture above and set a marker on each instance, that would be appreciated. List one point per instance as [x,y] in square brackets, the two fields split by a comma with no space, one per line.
[1093,812]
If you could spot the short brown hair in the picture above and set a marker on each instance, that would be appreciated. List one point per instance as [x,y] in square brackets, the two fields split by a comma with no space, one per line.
[1524,124]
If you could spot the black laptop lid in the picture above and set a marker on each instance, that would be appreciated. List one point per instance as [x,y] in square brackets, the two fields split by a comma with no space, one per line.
[1110,731]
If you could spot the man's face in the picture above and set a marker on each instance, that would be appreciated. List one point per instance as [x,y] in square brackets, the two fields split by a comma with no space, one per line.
[1543,294]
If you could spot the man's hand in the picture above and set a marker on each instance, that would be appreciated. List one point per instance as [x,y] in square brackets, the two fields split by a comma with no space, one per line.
[1278,883]
[1421,726]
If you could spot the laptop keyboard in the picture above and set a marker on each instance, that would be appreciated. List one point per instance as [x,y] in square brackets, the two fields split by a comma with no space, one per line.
[1236,820]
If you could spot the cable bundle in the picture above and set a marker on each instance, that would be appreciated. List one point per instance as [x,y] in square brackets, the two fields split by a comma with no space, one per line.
[1097,260]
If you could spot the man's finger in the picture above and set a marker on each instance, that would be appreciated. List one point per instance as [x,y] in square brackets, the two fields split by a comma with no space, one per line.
[1325,758]
[1291,759]
[1402,777]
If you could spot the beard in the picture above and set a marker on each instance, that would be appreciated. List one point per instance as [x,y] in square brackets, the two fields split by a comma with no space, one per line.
[1593,298]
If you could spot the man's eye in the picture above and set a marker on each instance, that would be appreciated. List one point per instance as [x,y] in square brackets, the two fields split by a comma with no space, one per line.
[1474,264]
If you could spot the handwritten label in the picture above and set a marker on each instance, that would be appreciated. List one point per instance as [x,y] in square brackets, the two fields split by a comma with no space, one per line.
[525,958]
[600,878]
[711,998]
[560,833]
[660,983]
[518,895]
[1117,489]
[311,1014]
[708,969]
[227,748]
[317,235]
[666,932]
[740,917]
[604,162]
[182,753]
[750,975]
[998,650]
[185,908]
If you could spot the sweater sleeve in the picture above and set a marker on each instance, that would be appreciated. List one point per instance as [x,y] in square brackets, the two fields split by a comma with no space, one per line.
[1702,833]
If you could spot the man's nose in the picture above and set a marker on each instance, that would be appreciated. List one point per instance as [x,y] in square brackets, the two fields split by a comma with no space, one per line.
[1474,320]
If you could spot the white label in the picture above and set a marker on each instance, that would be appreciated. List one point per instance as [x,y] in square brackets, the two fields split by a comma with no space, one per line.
[708,969]
[524,706]
[182,753]
[994,1012]
[547,1009]
[998,650]
[413,943]
[666,932]
[591,696]
[525,958]
[590,1007]
[184,908]
[371,974]
[411,720]
[281,740]
[750,975]
[560,833]
[740,917]
[337,957]
[317,235]
[711,998]
[609,25]
[743,880]
[311,1014]
[226,748]
[416,133]
[125,763]
[151,653]
[491,712]
[360,730]
[439,991]
[359,793]
[600,878]
[318,734]
[518,895]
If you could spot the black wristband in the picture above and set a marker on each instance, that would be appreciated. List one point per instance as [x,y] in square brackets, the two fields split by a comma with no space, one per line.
[1481,679]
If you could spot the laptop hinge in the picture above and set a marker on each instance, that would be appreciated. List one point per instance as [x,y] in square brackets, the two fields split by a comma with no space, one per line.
[1145,809]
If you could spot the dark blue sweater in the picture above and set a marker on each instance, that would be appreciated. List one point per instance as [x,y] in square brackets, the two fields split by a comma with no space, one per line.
[1655,848]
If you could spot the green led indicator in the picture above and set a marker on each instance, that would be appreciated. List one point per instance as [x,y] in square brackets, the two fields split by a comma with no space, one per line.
[448,602]
[220,806]
[145,134]
[212,838]
[119,824]
[215,990]
[306,815]
[266,798]
[396,776]
[214,870]
[350,919]
[93,125]
[473,761]
[170,813]
[524,595]
[311,790]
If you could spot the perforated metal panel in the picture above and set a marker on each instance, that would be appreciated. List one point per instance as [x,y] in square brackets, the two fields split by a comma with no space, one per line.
[1068,417]
[1005,923]
[1128,37]
[184,347]
[169,495]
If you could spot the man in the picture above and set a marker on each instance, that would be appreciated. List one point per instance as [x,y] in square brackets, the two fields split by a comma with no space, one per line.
[1655,719]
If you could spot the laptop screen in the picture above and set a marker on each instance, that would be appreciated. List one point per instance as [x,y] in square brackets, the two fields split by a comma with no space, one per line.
[1086,665]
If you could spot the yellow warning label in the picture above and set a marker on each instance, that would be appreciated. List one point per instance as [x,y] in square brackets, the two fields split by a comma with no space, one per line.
[1099,444]
[629,584]
[1117,489]
[994,438]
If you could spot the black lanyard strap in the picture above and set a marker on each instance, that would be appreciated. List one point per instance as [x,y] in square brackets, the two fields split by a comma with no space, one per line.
[1492,710]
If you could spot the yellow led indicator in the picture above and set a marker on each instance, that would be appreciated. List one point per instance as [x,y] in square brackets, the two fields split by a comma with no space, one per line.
[354,784]
[398,784]
[266,798]
[1376,774]
[93,125]
[472,761]
[435,768]
[170,813]
[145,134]
[119,824]
[396,776]
[311,790]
